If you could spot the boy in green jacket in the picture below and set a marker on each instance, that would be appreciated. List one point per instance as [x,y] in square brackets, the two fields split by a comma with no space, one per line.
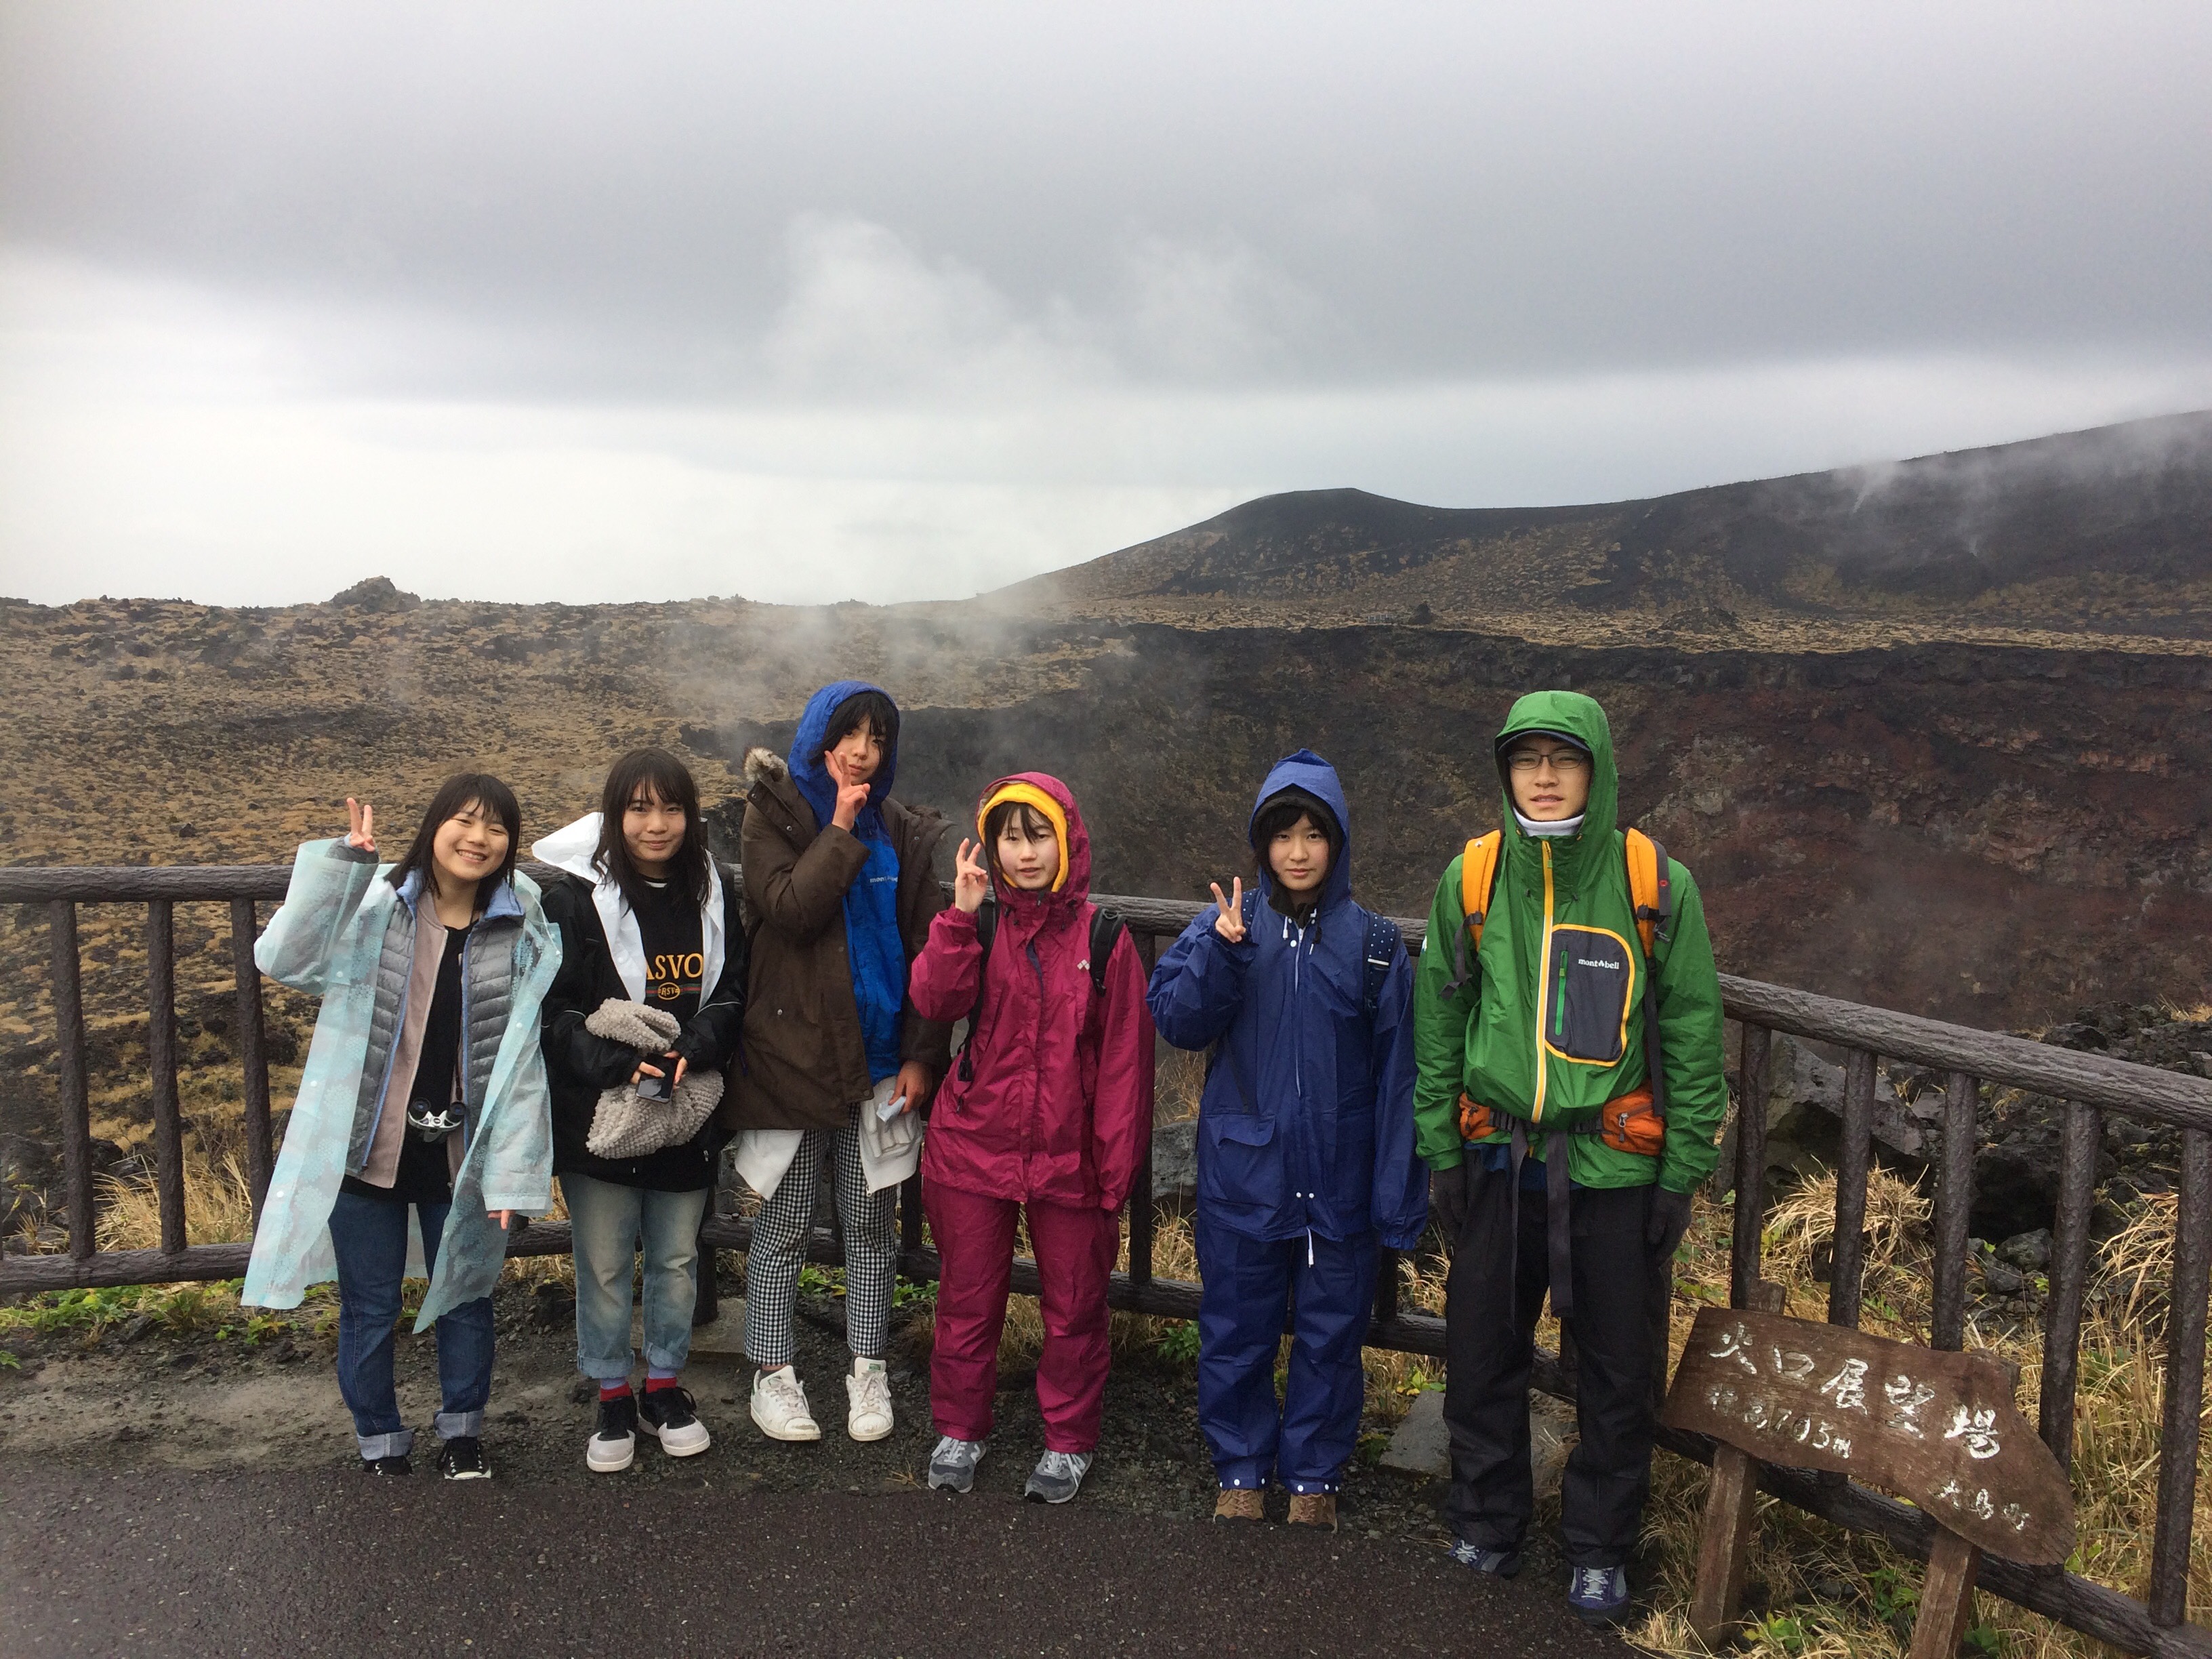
[1555,1164]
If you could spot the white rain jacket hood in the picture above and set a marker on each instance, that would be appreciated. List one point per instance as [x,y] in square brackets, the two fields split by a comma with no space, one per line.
[327,940]
[571,850]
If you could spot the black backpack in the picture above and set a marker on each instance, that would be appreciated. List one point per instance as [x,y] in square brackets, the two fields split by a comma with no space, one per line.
[1106,930]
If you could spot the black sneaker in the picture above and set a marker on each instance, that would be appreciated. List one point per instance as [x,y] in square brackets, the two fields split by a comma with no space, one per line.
[670,1417]
[614,1447]
[462,1458]
[395,1465]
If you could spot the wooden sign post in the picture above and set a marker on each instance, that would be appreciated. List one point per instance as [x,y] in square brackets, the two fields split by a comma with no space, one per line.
[1938,1429]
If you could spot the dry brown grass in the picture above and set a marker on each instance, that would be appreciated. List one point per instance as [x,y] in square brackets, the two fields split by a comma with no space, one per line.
[218,1208]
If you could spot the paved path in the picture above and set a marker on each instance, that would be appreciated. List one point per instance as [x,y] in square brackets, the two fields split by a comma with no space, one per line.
[309,1562]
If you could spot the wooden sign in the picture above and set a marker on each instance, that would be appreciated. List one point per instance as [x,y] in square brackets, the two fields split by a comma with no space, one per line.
[1938,1429]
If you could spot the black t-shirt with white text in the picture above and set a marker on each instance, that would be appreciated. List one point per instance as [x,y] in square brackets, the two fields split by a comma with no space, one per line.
[669,928]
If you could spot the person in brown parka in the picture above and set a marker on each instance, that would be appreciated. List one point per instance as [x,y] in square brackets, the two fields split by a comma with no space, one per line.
[839,882]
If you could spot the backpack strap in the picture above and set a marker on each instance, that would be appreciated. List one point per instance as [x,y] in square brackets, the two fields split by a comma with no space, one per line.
[1651,890]
[1478,875]
[987,929]
[1382,941]
[1106,930]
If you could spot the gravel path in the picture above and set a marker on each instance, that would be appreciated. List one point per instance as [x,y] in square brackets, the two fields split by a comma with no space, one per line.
[301,1562]
[195,1494]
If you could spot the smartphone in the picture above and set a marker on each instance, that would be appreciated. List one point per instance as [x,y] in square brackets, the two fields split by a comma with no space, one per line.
[891,1109]
[650,1087]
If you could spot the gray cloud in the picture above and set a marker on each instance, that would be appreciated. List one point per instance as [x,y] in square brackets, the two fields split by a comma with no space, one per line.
[1052,269]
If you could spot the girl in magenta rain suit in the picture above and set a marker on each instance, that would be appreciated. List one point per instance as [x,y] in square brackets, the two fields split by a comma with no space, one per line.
[1046,1112]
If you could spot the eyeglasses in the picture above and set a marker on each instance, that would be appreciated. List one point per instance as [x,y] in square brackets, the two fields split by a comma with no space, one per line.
[1562,761]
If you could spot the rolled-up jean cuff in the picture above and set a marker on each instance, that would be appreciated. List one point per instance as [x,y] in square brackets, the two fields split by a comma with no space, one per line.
[398,1443]
[455,1425]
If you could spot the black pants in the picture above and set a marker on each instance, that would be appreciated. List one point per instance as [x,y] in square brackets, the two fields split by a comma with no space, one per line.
[1489,1341]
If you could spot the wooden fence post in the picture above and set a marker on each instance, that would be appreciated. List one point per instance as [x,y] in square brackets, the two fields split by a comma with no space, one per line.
[1946,1597]
[1724,1542]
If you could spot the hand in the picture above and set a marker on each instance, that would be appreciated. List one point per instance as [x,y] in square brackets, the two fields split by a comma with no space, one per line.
[1451,1195]
[505,1218]
[971,877]
[1230,924]
[851,796]
[914,1084]
[1668,1220]
[363,833]
[643,1070]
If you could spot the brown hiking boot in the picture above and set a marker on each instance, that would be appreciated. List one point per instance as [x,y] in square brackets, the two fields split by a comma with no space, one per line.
[1314,1508]
[1240,1503]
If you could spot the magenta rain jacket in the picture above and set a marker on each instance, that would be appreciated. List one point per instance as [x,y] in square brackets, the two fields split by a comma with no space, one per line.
[1054,1101]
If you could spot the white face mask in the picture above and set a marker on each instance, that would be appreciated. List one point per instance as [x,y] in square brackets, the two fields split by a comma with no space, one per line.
[1551,832]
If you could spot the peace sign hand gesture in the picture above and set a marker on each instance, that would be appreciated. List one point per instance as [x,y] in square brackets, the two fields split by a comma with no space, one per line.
[1230,922]
[363,832]
[852,796]
[971,877]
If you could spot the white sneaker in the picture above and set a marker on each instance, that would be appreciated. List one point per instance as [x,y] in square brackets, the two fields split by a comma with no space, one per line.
[779,1406]
[869,1390]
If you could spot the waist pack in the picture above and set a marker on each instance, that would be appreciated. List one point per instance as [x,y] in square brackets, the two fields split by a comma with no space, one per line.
[1628,1123]
[1636,1121]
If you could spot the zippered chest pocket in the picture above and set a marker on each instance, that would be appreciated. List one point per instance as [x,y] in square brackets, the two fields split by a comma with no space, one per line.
[1592,987]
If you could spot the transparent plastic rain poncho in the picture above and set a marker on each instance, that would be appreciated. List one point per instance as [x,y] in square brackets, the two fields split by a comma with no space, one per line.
[326,939]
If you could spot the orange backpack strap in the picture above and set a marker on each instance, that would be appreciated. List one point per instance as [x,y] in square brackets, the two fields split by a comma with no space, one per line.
[1478,874]
[1650,889]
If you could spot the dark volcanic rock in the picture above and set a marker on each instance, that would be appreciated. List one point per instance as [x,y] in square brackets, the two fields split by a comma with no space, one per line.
[376,594]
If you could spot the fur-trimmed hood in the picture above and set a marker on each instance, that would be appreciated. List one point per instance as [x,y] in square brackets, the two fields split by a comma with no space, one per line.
[764,765]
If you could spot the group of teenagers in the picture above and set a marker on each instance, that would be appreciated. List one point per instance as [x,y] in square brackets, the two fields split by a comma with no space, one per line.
[1542,1084]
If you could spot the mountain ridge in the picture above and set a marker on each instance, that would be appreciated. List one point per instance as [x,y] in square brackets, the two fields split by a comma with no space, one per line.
[1984,544]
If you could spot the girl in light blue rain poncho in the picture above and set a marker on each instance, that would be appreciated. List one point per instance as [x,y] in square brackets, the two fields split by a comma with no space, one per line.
[424,1091]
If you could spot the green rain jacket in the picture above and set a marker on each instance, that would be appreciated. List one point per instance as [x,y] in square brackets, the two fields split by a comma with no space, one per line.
[1560,941]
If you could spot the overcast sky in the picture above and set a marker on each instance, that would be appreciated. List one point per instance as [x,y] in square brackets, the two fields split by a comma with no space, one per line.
[893,301]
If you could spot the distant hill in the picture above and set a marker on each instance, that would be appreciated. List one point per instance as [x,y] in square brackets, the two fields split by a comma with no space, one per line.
[2106,533]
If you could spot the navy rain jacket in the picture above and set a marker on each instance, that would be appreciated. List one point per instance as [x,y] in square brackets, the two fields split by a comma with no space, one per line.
[1307,1120]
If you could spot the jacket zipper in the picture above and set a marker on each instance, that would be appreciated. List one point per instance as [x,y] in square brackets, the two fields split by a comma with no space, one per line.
[1543,987]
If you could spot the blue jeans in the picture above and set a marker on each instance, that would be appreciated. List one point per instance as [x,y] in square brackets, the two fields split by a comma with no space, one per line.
[610,1224]
[1249,1285]
[370,1235]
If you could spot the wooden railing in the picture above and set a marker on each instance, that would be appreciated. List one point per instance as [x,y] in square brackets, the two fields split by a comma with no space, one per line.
[2091,1085]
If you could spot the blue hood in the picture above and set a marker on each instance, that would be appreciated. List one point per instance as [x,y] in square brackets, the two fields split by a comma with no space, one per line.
[811,738]
[1309,772]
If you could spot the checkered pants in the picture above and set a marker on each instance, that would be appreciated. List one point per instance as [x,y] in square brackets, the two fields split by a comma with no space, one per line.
[778,1248]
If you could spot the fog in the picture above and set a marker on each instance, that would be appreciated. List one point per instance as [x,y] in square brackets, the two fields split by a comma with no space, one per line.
[890,302]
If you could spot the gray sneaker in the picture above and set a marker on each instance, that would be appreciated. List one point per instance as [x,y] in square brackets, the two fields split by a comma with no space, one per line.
[952,1465]
[1057,1477]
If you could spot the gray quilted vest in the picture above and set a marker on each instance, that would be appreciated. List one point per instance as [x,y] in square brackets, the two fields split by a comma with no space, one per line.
[488,994]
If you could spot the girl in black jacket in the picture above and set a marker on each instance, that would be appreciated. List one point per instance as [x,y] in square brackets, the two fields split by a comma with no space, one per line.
[645,918]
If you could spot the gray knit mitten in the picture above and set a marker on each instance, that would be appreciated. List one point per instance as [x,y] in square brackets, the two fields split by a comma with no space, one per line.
[625,1127]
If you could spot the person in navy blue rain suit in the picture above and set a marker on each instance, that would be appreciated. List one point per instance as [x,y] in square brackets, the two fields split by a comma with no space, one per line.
[1305,1141]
